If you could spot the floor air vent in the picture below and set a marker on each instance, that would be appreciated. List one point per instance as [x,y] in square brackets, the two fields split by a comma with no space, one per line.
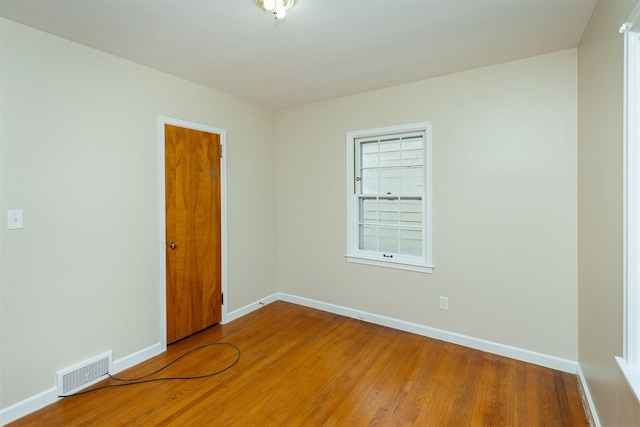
[85,373]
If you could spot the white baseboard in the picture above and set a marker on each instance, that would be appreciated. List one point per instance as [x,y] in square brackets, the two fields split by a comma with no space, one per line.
[137,357]
[49,396]
[540,359]
[592,414]
[243,311]
[29,405]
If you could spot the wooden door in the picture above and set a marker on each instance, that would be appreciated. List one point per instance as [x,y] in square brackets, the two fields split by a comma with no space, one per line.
[193,231]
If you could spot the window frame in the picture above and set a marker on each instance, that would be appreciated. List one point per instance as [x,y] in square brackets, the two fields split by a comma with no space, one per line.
[354,254]
[630,362]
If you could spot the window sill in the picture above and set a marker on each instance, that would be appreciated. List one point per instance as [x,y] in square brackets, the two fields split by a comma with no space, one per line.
[632,375]
[400,266]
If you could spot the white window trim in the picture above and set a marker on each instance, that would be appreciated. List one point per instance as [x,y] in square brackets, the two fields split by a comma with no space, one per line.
[630,362]
[361,257]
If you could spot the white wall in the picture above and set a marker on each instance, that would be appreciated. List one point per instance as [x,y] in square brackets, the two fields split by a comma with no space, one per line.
[504,183]
[78,153]
[600,167]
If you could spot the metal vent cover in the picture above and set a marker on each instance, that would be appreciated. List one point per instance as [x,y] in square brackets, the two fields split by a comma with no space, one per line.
[83,374]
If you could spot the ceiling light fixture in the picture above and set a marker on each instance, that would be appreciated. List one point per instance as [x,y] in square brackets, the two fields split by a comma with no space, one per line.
[277,7]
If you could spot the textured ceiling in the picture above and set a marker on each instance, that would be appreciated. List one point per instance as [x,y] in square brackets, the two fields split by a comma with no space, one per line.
[324,48]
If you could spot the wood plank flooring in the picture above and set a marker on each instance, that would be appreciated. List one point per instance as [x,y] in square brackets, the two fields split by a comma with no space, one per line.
[304,367]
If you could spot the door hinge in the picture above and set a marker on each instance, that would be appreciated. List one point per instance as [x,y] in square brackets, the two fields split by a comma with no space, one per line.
[222,298]
[220,150]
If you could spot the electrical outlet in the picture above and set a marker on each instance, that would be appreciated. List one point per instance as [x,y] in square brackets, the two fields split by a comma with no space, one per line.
[444,303]
[15,219]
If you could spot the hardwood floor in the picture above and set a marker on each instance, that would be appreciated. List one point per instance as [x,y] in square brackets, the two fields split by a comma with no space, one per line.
[304,367]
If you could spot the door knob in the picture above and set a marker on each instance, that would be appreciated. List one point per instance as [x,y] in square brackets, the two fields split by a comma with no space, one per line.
[173,245]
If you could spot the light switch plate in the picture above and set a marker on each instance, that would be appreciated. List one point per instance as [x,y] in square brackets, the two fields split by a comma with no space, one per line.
[15,219]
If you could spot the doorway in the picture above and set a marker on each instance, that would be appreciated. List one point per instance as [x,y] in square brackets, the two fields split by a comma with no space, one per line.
[192,227]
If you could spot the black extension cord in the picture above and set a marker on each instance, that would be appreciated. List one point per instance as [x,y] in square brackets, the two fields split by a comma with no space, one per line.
[143,379]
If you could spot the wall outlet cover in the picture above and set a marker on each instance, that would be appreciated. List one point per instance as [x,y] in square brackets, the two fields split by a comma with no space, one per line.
[15,219]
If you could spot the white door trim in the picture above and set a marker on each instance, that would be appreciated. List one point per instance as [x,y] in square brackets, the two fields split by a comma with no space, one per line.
[162,243]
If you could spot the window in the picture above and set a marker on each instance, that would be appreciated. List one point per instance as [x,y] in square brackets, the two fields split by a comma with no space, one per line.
[630,362]
[389,197]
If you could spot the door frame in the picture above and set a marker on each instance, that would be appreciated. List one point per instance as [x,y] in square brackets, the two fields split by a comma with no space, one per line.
[162,237]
